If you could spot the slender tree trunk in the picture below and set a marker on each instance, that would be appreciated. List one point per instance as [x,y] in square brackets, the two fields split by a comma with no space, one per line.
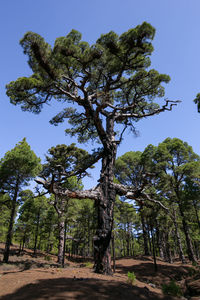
[168,257]
[64,246]
[24,240]
[196,246]
[102,256]
[149,239]
[133,254]
[48,240]
[178,238]
[196,213]
[159,241]
[144,234]
[128,239]
[37,231]
[61,209]
[113,250]
[190,250]
[88,241]
[61,241]
[11,223]
[154,250]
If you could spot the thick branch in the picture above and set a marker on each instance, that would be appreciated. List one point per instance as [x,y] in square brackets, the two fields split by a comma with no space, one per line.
[54,188]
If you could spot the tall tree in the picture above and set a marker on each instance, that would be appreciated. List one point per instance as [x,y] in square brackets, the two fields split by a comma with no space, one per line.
[17,168]
[106,88]
[61,161]
[177,161]
[5,205]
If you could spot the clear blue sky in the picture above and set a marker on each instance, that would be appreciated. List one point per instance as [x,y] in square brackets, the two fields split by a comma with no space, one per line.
[177,53]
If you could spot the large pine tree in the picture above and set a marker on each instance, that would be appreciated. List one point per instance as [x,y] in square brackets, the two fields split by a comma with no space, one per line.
[105,88]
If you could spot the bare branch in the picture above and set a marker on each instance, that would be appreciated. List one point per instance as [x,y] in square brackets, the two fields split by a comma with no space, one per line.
[138,195]
[124,116]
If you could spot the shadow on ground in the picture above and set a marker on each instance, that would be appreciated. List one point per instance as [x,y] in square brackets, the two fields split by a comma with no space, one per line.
[87,289]
[145,271]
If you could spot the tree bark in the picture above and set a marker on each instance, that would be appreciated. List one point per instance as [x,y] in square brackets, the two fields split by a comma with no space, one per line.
[37,231]
[178,238]
[196,213]
[190,249]
[154,249]
[144,234]
[105,205]
[61,226]
[64,246]
[113,251]
[11,223]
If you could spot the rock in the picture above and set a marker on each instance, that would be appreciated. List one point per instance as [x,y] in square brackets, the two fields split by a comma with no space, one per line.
[152,285]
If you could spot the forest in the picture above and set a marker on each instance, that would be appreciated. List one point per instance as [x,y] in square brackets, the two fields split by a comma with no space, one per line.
[146,203]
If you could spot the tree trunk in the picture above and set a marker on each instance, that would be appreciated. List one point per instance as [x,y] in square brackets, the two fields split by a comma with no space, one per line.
[37,231]
[196,213]
[88,241]
[149,239]
[61,241]
[24,240]
[154,250]
[159,240]
[190,250]
[128,240]
[105,205]
[64,246]
[144,234]
[11,223]
[168,256]
[113,250]
[178,238]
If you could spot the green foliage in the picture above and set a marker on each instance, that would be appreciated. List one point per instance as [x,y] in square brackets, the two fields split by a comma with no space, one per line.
[114,70]
[89,264]
[47,258]
[18,167]
[128,168]
[4,215]
[197,101]
[172,289]
[131,278]
[63,161]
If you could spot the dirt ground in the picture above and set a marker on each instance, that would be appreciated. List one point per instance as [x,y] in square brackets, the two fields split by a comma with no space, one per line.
[28,278]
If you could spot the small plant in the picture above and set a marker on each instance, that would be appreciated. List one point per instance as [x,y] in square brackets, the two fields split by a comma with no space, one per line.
[47,258]
[195,264]
[89,264]
[172,289]
[192,271]
[131,278]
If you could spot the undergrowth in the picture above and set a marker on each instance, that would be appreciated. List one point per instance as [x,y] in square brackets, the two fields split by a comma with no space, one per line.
[131,278]
[172,289]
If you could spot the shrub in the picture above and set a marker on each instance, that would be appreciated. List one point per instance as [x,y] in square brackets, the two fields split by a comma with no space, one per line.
[195,264]
[47,257]
[131,278]
[172,289]
[89,264]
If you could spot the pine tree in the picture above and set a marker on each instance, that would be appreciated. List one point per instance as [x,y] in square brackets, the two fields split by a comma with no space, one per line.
[106,88]
[17,168]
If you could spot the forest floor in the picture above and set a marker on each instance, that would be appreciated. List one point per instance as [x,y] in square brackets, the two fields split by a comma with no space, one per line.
[29,277]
